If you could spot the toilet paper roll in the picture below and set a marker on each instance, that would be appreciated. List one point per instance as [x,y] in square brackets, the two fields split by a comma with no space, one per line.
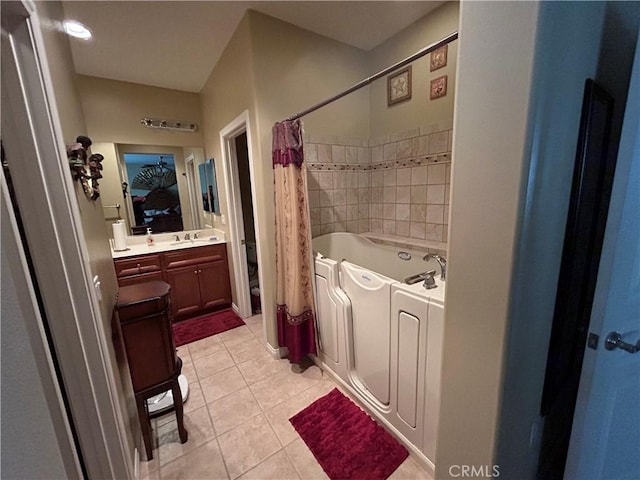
[119,242]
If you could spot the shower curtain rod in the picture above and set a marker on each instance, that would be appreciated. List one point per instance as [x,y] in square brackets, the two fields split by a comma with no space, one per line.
[420,53]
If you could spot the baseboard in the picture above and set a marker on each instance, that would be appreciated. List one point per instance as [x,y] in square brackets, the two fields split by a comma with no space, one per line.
[277,353]
[236,310]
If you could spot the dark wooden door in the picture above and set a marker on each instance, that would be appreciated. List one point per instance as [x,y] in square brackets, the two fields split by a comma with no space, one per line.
[185,290]
[214,284]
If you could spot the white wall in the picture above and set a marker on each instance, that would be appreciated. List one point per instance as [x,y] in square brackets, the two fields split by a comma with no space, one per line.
[420,110]
[489,162]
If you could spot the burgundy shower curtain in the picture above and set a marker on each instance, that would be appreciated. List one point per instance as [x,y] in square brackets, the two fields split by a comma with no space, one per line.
[294,292]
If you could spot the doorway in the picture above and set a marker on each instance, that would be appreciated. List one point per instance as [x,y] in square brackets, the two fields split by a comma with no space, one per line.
[246,200]
[244,225]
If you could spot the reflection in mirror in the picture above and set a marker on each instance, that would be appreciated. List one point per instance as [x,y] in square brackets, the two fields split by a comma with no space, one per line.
[209,187]
[154,192]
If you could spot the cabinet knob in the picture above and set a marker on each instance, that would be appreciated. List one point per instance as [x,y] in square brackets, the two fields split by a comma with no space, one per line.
[195,271]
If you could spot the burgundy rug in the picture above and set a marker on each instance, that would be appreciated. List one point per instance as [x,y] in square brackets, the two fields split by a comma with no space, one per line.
[347,443]
[197,328]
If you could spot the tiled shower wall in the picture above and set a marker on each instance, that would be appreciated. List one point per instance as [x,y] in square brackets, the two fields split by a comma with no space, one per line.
[396,185]
[339,177]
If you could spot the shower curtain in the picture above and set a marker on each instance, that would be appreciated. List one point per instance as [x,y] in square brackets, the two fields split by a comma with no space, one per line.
[294,292]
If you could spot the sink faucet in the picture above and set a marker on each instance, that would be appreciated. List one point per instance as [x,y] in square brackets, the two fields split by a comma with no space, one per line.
[441,261]
[187,236]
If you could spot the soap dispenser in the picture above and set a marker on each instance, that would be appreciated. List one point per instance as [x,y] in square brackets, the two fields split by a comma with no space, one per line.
[149,238]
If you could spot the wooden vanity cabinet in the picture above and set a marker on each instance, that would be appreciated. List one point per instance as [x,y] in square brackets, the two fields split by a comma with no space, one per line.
[199,279]
[198,276]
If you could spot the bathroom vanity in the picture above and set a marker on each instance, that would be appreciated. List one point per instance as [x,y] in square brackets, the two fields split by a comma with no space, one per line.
[197,272]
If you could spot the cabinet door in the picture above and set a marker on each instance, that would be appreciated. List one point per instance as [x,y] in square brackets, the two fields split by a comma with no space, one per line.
[185,290]
[214,284]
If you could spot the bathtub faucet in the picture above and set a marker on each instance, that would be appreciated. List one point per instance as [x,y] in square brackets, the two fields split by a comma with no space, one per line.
[441,261]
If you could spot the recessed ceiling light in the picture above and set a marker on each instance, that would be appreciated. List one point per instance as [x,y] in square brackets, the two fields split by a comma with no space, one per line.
[76,29]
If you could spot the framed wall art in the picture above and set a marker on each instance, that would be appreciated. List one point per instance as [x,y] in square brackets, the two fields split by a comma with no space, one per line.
[399,86]
[438,87]
[438,58]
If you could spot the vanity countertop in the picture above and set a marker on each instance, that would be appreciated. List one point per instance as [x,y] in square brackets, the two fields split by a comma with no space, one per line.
[165,242]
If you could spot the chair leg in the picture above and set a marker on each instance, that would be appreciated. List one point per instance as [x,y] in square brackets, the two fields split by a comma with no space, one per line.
[145,425]
[177,402]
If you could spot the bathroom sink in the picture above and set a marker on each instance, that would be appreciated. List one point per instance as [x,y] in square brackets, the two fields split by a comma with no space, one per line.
[192,241]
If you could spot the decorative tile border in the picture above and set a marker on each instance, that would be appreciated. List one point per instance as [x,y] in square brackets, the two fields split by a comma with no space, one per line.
[410,162]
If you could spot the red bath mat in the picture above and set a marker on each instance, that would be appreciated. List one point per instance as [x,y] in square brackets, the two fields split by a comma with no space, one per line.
[347,443]
[204,326]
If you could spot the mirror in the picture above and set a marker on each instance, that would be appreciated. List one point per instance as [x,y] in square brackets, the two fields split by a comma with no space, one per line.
[154,192]
[209,187]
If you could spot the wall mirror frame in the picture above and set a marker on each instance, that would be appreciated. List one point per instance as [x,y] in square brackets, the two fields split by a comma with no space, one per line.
[209,187]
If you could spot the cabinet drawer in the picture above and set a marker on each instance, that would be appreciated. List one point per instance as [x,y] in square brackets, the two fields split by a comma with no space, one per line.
[193,256]
[137,265]
[144,277]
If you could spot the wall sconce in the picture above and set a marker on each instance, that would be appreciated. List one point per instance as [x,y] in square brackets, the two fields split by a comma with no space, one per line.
[179,125]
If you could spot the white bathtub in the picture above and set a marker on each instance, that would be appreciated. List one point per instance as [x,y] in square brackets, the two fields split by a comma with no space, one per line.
[382,338]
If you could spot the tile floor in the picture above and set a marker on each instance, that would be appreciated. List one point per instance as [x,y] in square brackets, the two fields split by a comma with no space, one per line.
[237,415]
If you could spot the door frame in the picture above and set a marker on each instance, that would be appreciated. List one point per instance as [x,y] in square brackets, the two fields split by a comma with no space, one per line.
[190,171]
[241,124]
[31,123]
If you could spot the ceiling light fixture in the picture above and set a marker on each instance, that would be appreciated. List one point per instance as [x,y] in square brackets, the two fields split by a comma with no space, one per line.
[76,29]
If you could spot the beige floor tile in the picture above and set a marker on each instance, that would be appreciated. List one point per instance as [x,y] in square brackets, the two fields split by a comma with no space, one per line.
[205,347]
[304,462]
[211,364]
[319,390]
[255,325]
[222,384]
[200,431]
[275,389]
[249,350]
[276,467]
[279,416]
[311,377]
[410,470]
[247,445]
[155,475]
[189,371]
[195,399]
[232,410]
[259,368]
[235,336]
[204,462]
[183,353]
[149,469]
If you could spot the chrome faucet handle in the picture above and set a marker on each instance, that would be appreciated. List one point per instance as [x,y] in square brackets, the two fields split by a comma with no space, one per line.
[430,281]
[177,238]
[195,235]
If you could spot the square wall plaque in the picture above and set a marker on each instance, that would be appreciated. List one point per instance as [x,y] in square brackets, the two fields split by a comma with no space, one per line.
[399,86]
